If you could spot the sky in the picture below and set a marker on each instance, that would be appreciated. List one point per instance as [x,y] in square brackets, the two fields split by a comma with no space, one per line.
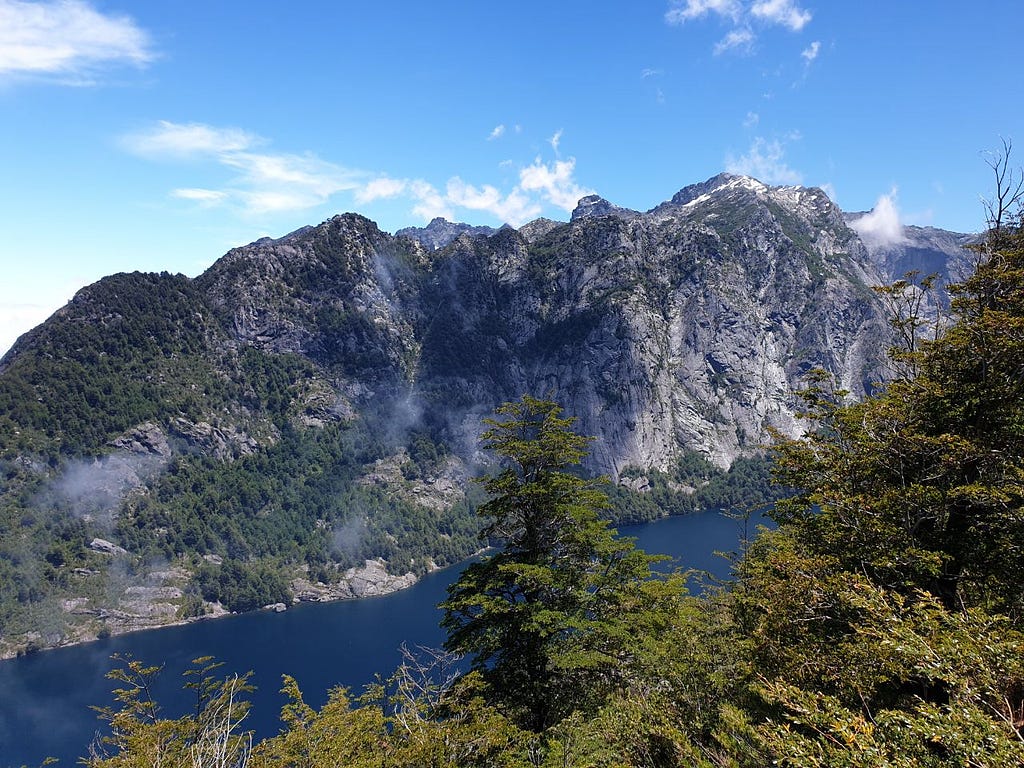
[155,136]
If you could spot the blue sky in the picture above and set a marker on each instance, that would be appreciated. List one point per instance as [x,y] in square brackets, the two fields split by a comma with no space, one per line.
[157,135]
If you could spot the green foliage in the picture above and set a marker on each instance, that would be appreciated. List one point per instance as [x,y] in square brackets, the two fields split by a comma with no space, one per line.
[140,737]
[921,487]
[880,625]
[884,619]
[240,586]
[131,363]
[694,485]
[549,619]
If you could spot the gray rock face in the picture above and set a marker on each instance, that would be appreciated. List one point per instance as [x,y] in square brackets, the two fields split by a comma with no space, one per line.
[925,250]
[686,327]
[106,547]
[592,206]
[439,232]
[370,580]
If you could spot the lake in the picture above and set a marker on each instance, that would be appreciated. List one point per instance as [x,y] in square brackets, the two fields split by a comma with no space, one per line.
[45,697]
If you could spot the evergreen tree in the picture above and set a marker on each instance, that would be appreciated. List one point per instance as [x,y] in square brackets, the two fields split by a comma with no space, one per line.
[551,619]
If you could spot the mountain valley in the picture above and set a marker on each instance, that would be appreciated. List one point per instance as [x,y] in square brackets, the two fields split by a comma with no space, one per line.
[301,420]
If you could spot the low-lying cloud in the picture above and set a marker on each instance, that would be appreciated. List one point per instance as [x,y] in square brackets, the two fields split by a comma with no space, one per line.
[882,225]
[94,489]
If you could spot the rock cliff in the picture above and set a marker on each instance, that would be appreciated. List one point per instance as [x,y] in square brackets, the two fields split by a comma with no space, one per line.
[315,400]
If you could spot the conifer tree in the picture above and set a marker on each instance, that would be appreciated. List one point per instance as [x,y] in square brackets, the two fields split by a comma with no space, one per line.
[549,619]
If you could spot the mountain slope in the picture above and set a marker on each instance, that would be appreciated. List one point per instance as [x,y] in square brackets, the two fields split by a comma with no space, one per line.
[312,402]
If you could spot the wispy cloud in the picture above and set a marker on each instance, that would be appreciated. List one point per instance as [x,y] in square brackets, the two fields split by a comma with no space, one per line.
[744,17]
[67,40]
[259,181]
[206,197]
[497,133]
[783,12]
[651,77]
[882,225]
[687,10]
[751,120]
[262,182]
[540,183]
[740,40]
[179,140]
[810,53]
[555,140]
[765,160]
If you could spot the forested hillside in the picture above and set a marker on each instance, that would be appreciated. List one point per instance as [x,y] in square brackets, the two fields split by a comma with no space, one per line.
[879,625]
[303,418]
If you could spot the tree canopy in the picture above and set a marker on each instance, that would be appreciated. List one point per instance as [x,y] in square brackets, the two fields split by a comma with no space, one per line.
[880,626]
[550,619]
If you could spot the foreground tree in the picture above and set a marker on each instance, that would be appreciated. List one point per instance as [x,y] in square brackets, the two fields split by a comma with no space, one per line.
[884,619]
[553,620]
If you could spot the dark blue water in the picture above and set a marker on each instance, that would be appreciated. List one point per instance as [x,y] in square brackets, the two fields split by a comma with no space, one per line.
[45,698]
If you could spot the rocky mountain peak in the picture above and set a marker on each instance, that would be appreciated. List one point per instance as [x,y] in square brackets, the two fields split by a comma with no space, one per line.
[538,228]
[690,193]
[440,232]
[593,206]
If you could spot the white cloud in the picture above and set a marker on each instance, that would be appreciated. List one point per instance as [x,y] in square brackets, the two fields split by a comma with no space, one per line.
[383,187]
[810,53]
[179,140]
[554,181]
[686,10]
[279,200]
[298,172]
[783,12]
[205,197]
[66,38]
[744,18]
[430,203]
[514,208]
[539,184]
[555,140]
[651,73]
[882,226]
[751,120]
[264,182]
[739,39]
[18,315]
[765,161]
[261,182]
[497,133]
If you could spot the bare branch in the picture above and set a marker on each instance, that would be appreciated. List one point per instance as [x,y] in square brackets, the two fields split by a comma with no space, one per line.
[1009,188]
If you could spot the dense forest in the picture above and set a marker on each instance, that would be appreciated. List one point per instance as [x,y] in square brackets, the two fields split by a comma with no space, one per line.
[138,438]
[879,625]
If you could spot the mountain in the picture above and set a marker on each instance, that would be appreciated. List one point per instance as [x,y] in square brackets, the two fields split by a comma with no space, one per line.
[302,418]
[439,232]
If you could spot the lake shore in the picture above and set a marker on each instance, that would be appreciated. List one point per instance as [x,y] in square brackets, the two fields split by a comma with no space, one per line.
[151,607]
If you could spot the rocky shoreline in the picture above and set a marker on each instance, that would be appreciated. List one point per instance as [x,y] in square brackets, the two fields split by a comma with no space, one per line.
[153,606]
